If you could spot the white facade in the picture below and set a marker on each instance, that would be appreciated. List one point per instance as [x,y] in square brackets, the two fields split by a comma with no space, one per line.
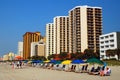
[61,33]
[33,44]
[85,27]
[20,49]
[109,41]
[50,36]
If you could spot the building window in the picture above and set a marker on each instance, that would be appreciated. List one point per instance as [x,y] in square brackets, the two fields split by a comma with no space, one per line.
[112,35]
[102,37]
[102,46]
[106,41]
[112,45]
[107,46]
[102,51]
[106,36]
[112,40]
[102,42]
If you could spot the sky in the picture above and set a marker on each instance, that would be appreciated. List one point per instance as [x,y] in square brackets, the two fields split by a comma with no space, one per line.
[20,16]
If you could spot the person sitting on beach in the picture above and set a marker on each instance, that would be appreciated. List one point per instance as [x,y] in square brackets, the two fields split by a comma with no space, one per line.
[102,71]
[107,72]
[97,69]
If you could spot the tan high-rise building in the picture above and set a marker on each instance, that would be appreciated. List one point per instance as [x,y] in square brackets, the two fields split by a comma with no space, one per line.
[61,24]
[29,37]
[85,27]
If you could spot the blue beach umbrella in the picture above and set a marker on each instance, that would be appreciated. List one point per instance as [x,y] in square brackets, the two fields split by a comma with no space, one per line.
[53,61]
[77,61]
[37,61]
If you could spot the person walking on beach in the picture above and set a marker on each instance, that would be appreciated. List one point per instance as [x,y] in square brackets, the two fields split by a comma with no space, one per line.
[13,64]
[20,64]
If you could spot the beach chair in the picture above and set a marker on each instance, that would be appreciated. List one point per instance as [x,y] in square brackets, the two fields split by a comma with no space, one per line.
[62,68]
[71,69]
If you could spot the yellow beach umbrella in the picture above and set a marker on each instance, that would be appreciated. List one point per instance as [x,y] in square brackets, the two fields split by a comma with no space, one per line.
[66,62]
[29,62]
[47,61]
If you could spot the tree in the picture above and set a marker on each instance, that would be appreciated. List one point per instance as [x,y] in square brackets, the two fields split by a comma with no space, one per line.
[63,55]
[110,52]
[97,53]
[89,53]
[52,56]
[73,56]
[38,58]
[117,51]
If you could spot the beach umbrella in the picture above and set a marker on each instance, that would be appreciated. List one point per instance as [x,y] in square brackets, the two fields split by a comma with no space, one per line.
[57,58]
[18,57]
[47,61]
[66,62]
[25,61]
[94,60]
[52,61]
[77,61]
[29,62]
[58,62]
[37,61]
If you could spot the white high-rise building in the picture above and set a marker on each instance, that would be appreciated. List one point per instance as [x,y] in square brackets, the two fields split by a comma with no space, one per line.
[76,32]
[50,36]
[85,27]
[109,41]
[20,49]
[61,24]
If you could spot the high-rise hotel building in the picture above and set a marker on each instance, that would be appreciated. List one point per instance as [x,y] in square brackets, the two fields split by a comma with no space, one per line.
[50,39]
[20,49]
[61,24]
[85,27]
[57,35]
[29,37]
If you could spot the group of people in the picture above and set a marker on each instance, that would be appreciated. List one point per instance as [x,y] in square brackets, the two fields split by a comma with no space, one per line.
[102,71]
[105,72]
[17,64]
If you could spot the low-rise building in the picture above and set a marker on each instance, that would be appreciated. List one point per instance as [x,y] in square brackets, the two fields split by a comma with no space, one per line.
[109,41]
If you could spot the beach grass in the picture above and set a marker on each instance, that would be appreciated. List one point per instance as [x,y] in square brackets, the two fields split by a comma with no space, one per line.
[112,62]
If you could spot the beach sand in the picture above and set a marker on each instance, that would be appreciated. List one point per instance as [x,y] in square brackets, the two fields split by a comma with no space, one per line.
[32,73]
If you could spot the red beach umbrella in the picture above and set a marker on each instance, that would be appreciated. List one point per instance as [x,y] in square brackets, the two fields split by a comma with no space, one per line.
[18,58]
